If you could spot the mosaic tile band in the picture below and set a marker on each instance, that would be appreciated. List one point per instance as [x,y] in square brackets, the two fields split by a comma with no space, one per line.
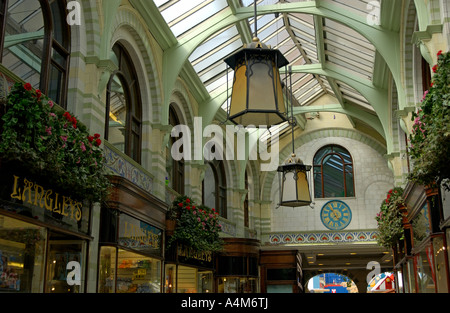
[326,237]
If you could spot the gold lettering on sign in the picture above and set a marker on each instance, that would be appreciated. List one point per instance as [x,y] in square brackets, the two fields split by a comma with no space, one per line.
[191,253]
[141,235]
[47,199]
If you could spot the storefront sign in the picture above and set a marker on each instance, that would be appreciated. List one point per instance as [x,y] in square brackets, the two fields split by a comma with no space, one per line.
[189,255]
[30,192]
[34,199]
[138,235]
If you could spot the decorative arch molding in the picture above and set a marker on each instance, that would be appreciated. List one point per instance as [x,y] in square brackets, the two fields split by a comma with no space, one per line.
[180,98]
[267,179]
[129,20]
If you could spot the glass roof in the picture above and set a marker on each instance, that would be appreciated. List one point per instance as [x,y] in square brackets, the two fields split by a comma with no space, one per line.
[294,34]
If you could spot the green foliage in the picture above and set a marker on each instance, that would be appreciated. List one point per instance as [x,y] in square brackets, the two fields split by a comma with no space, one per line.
[51,144]
[197,226]
[389,219]
[430,139]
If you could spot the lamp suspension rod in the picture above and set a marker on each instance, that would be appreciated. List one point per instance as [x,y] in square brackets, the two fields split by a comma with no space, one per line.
[292,109]
[256,23]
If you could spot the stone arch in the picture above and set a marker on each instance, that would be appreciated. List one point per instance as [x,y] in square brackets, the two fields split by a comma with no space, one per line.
[130,21]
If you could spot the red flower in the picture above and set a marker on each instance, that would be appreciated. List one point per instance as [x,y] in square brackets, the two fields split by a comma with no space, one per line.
[435,68]
[439,53]
[180,204]
[27,86]
[188,201]
[98,142]
[90,138]
[188,207]
[96,135]
[38,93]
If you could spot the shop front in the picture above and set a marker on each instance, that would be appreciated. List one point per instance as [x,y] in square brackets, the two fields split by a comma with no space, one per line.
[44,236]
[188,270]
[131,241]
[421,259]
[237,266]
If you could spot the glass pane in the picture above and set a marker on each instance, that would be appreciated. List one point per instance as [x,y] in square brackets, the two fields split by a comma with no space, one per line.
[170,278]
[349,182]
[187,277]
[317,183]
[59,22]
[237,285]
[439,265]
[137,273]
[425,272]
[117,114]
[333,176]
[209,188]
[55,85]
[107,270]
[60,253]
[22,248]
[204,281]
[24,44]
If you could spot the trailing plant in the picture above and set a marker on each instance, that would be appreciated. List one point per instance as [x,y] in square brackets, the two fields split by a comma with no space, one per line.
[429,146]
[389,219]
[196,226]
[51,144]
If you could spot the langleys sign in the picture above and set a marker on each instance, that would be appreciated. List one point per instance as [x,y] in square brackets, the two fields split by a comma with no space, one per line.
[44,203]
[34,194]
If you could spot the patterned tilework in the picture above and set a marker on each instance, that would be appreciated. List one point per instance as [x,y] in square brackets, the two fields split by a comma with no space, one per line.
[117,163]
[323,237]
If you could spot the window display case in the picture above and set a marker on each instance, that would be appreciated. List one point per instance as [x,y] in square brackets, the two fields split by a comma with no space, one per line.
[124,271]
[22,247]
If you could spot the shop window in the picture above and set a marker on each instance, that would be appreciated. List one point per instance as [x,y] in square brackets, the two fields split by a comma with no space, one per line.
[425,271]
[124,271]
[237,284]
[174,168]
[22,247]
[214,187]
[35,44]
[333,173]
[62,250]
[186,279]
[123,106]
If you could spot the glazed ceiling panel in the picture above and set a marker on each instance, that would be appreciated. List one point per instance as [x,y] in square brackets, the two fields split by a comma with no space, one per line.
[298,36]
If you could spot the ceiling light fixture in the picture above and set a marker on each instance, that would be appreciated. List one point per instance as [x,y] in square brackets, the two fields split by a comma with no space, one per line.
[257,91]
[293,175]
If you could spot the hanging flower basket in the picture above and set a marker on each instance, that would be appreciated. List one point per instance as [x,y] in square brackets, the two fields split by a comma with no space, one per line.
[50,144]
[390,219]
[197,227]
[429,143]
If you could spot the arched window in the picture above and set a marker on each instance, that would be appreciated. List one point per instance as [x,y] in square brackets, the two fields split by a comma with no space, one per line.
[333,173]
[35,44]
[214,187]
[174,168]
[123,106]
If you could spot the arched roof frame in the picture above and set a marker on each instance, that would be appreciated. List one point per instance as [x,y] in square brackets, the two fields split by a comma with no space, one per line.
[177,51]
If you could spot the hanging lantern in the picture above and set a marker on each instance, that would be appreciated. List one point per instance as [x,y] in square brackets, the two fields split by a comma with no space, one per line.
[294,178]
[257,91]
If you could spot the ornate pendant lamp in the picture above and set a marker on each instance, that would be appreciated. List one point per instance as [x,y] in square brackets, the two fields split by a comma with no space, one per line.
[294,176]
[257,92]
